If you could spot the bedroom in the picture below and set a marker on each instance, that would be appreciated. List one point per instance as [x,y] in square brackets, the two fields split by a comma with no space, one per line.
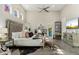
[17,20]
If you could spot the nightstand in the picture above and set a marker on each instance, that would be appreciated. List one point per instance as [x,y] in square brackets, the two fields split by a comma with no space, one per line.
[2,41]
[3,35]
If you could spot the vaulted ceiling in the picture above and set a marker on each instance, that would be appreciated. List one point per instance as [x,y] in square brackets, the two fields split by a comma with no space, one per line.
[39,7]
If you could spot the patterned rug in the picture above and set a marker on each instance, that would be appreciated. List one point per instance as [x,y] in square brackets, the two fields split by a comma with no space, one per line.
[22,50]
[26,51]
[36,51]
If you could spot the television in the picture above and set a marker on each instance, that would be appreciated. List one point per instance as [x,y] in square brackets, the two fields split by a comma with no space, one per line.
[72,24]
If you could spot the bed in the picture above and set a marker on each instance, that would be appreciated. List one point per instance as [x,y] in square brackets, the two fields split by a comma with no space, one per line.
[27,42]
[14,29]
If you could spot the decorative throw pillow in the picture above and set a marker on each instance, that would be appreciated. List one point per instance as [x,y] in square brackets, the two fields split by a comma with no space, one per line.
[23,34]
[26,34]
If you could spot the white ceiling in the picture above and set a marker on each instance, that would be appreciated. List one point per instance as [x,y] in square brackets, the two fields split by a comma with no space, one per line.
[36,7]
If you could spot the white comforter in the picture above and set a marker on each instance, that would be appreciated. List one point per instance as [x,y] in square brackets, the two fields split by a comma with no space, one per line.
[27,42]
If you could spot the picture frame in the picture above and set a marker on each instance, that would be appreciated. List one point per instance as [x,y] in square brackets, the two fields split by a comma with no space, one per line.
[21,16]
[6,7]
[15,13]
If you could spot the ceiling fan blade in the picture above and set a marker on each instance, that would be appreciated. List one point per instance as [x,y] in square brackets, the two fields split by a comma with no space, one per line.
[41,10]
[47,7]
[46,10]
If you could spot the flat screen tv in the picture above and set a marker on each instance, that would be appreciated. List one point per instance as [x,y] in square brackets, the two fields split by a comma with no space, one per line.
[72,24]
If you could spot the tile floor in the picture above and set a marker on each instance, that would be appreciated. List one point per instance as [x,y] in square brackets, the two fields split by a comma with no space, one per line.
[67,49]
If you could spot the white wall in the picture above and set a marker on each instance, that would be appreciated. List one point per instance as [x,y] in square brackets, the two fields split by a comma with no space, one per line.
[69,12]
[2,21]
[45,18]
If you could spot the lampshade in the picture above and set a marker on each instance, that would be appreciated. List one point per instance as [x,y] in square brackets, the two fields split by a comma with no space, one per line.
[3,30]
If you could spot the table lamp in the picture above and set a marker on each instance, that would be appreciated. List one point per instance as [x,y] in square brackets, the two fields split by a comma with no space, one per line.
[3,34]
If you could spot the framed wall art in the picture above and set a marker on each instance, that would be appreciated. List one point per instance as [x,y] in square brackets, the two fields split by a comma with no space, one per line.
[7,8]
[15,13]
[21,16]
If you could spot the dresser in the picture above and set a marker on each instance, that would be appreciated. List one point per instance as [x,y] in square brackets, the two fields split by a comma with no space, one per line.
[71,39]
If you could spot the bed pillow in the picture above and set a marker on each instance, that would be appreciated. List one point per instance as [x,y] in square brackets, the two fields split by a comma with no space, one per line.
[22,34]
[15,34]
[26,34]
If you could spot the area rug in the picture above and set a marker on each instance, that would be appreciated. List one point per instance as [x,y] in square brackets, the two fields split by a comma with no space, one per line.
[26,51]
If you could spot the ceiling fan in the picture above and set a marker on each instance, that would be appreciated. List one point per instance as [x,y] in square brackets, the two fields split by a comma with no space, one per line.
[44,9]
